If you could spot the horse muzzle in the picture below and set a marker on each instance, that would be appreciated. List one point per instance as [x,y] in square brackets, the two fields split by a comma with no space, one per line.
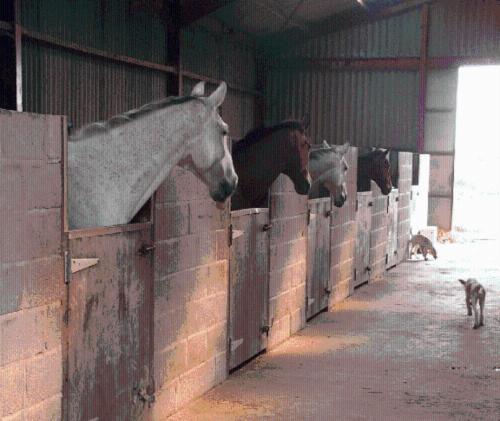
[303,185]
[226,189]
[339,201]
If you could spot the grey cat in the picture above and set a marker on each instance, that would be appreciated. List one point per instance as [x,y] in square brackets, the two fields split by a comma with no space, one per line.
[422,245]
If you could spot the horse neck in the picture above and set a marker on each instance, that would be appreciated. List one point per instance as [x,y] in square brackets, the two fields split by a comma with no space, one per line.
[129,162]
[260,164]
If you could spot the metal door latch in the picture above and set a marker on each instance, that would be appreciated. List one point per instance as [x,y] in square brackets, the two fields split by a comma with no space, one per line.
[368,269]
[265,329]
[328,290]
[145,249]
[267,227]
[328,213]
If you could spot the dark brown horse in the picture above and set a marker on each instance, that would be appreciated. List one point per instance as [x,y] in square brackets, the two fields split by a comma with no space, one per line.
[374,165]
[265,153]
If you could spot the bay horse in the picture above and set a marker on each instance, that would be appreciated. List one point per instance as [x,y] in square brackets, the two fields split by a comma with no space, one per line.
[328,169]
[115,166]
[374,165]
[265,153]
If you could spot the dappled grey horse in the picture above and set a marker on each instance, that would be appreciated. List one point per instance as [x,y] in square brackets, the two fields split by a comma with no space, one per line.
[115,166]
[328,168]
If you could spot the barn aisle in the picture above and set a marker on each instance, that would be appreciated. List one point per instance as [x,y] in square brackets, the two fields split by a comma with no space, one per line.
[401,347]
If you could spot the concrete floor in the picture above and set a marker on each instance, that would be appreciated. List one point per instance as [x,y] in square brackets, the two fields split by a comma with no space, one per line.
[400,348]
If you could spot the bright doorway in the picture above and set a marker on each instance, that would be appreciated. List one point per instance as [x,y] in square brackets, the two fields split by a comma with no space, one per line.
[476,194]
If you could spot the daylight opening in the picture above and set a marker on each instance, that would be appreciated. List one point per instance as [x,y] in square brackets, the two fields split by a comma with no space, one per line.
[476,202]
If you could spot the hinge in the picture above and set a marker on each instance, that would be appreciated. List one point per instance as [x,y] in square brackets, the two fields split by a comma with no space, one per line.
[386,258]
[388,199]
[357,204]
[411,194]
[230,235]
[355,274]
[308,216]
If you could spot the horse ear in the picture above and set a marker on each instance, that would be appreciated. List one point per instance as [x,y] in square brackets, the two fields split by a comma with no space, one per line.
[199,89]
[325,144]
[461,281]
[217,97]
[306,121]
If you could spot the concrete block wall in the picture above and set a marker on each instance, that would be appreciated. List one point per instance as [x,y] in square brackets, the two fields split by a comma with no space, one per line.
[378,234]
[288,266]
[404,207]
[343,236]
[31,266]
[191,293]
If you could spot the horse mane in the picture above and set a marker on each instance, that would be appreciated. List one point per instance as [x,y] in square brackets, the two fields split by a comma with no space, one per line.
[118,120]
[257,134]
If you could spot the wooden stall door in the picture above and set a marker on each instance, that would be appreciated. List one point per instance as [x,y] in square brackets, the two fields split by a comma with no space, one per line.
[249,284]
[318,256]
[364,226]
[391,258]
[109,326]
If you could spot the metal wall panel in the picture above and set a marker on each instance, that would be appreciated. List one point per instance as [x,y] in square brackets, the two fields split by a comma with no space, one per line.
[465,28]
[364,108]
[218,55]
[106,25]
[396,36]
[86,89]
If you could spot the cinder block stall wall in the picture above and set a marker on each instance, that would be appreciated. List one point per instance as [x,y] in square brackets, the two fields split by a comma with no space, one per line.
[31,266]
[378,234]
[288,268]
[404,210]
[343,236]
[191,237]
[191,292]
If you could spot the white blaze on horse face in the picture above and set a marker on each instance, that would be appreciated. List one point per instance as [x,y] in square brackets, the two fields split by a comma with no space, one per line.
[209,152]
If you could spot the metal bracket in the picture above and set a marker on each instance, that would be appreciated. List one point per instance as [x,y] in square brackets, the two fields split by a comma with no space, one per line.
[235,344]
[80,264]
[145,249]
[265,329]
[267,227]
[328,213]
[328,290]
